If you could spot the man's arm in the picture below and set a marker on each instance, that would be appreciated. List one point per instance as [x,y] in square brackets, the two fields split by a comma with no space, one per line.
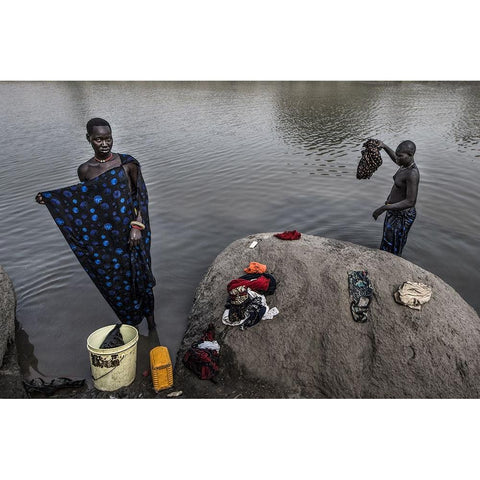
[390,152]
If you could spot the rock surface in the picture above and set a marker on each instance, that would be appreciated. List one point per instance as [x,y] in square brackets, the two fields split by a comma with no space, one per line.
[10,377]
[7,312]
[314,349]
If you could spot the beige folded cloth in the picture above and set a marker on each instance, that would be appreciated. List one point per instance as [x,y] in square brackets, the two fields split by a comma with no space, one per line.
[413,294]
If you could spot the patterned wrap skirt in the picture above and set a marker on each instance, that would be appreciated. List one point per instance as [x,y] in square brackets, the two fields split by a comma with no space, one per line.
[396,226]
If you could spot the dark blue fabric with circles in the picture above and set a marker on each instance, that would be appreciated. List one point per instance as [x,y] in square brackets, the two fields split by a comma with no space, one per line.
[94,217]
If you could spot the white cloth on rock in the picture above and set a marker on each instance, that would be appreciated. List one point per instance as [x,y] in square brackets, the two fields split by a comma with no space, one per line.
[413,294]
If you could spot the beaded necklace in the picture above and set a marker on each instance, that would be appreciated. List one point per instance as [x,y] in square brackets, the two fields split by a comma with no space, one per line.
[104,161]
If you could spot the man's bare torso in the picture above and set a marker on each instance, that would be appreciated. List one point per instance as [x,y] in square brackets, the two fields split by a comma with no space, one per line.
[399,189]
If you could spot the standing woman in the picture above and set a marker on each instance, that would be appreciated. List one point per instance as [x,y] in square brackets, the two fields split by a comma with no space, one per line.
[104,219]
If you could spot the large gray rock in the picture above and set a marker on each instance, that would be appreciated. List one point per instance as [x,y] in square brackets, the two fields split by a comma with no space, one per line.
[10,377]
[7,312]
[313,348]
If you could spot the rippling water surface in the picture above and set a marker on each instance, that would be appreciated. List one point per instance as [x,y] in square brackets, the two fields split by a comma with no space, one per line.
[222,161]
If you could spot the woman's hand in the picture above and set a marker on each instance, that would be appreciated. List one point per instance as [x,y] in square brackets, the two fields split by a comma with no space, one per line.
[39,199]
[135,237]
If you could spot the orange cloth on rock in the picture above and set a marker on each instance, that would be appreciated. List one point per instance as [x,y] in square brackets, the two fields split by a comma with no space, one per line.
[255,267]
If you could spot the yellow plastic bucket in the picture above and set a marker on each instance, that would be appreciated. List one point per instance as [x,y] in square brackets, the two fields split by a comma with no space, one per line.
[113,368]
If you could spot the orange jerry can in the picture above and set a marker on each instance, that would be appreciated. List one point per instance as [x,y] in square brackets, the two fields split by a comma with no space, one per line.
[161,367]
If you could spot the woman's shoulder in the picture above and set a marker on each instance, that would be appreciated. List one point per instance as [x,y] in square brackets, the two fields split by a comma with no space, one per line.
[82,171]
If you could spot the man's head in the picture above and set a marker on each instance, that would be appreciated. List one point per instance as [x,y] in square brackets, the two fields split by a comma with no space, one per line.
[405,152]
[99,135]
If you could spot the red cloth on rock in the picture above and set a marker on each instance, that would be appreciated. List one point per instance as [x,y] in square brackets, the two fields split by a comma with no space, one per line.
[259,284]
[289,235]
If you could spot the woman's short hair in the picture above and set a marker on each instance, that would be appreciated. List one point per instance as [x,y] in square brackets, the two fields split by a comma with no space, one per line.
[97,122]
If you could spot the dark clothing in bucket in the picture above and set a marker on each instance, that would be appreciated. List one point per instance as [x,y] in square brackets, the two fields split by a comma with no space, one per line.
[114,338]
[94,217]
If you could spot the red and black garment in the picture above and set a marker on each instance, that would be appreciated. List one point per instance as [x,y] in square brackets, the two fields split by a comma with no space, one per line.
[371,159]
[203,362]
[271,286]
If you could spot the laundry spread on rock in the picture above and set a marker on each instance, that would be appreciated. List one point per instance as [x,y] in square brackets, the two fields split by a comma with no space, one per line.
[371,159]
[288,235]
[202,358]
[246,304]
[361,292]
[272,285]
[413,294]
[259,284]
[255,267]
[206,345]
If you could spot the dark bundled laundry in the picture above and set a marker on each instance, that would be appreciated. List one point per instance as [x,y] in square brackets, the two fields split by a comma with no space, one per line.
[203,361]
[371,159]
[246,304]
[114,338]
[361,292]
[248,313]
[288,235]
[39,385]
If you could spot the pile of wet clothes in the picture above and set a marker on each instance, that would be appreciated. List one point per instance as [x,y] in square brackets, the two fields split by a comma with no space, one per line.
[203,356]
[246,304]
[410,294]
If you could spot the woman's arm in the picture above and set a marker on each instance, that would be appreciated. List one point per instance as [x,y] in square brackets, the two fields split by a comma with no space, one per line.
[135,234]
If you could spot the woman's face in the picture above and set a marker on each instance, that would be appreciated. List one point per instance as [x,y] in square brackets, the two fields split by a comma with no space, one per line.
[101,141]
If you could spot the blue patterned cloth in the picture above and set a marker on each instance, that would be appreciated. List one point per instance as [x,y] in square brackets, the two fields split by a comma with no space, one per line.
[395,229]
[94,217]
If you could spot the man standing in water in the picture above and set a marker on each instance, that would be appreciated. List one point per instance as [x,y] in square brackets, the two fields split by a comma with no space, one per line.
[105,221]
[400,204]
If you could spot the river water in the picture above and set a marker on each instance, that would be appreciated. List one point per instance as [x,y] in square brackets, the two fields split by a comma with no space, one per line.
[223,160]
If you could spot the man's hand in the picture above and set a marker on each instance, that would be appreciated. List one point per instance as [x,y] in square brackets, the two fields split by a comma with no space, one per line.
[135,237]
[378,212]
[39,199]
[380,144]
